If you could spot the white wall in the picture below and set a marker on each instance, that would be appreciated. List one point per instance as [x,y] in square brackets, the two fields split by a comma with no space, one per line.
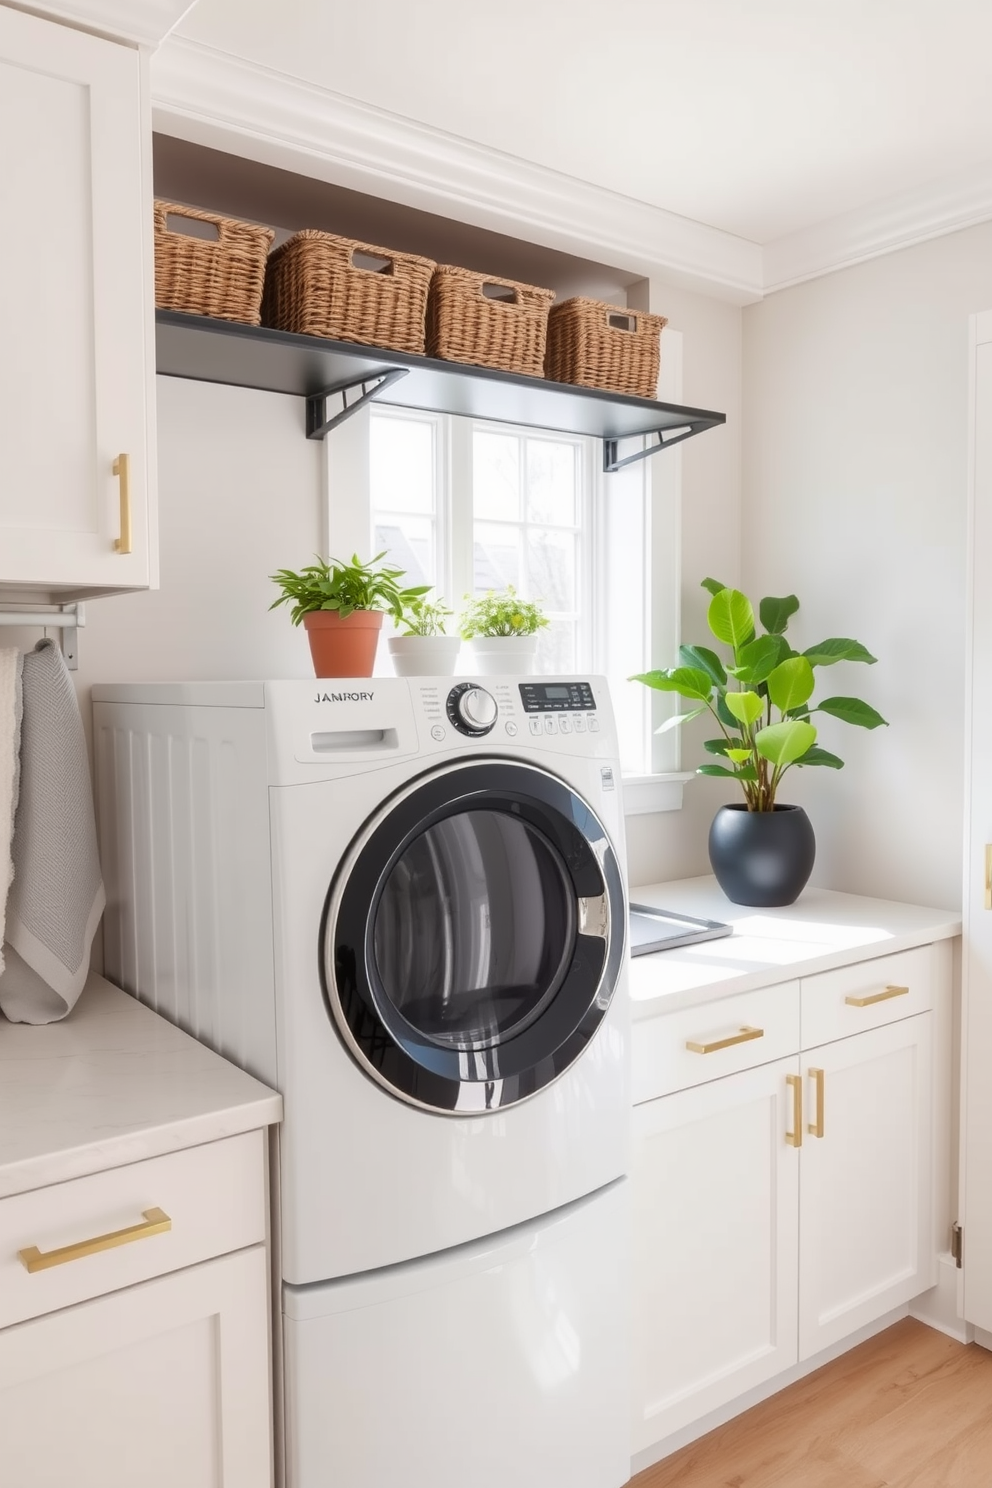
[854,495]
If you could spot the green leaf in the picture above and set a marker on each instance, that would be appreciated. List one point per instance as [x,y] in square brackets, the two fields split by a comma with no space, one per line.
[748,773]
[716,746]
[738,755]
[713,585]
[678,719]
[690,682]
[837,648]
[724,714]
[731,618]
[775,613]
[706,660]
[852,710]
[784,743]
[746,707]
[818,756]
[759,658]
[791,683]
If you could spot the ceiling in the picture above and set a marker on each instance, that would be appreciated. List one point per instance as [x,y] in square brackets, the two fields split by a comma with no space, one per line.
[757,117]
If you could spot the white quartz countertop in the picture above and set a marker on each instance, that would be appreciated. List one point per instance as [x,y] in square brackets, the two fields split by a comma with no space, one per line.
[823,929]
[111,1084]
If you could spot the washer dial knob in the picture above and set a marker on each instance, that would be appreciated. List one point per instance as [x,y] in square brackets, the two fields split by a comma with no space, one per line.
[472,709]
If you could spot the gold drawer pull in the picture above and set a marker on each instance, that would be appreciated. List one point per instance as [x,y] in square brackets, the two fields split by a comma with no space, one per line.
[877,997]
[122,470]
[155,1222]
[815,1128]
[744,1037]
[795,1137]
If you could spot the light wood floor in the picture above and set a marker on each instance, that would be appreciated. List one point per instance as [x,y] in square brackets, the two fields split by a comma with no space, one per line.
[908,1409]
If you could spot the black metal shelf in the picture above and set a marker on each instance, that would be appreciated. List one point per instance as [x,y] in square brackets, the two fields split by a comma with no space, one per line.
[207,350]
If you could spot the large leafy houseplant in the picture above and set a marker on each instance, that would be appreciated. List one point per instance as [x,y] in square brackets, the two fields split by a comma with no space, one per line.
[761,697]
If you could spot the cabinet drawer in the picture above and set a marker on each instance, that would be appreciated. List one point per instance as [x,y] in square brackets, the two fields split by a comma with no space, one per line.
[663,1061]
[837,1003]
[214,1197]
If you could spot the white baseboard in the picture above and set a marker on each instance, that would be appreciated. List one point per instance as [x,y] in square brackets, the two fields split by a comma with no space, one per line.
[650,1455]
[938,1307]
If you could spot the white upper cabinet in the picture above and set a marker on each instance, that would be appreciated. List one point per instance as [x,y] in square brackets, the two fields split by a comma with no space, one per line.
[76,324]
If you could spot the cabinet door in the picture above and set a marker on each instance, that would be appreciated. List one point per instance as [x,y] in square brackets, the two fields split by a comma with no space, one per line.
[865,1234]
[160,1384]
[715,1197]
[75,312]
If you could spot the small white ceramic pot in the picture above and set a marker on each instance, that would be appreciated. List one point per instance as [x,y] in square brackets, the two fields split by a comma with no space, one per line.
[496,656]
[424,656]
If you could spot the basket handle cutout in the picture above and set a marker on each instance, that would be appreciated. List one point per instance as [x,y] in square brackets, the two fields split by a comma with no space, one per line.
[500,292]
[371,262]
[622,322]
[192,227]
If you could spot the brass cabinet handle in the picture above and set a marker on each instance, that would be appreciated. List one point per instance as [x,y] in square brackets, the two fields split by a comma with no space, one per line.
[988,875]
[877,997]
[122,470]
[744,1037]
[795,1137]
[155,1222]
[815,1128]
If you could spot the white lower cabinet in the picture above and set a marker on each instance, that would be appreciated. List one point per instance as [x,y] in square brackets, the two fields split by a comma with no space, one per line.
[715,1190]
[159,1384]
[754,1251]
[864,1210]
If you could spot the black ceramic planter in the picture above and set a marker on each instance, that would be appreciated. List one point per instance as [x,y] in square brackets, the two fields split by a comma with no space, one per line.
[762,858]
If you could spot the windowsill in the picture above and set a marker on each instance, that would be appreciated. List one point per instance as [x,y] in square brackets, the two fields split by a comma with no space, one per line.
[644,794]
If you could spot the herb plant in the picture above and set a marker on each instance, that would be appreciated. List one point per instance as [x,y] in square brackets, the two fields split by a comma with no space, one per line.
[345,588]
[764,720]
[499,614]
[422,618]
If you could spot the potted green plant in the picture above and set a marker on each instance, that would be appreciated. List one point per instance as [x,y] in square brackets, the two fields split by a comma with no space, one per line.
[502,629]
[761,698]
[341,606]
[423,649]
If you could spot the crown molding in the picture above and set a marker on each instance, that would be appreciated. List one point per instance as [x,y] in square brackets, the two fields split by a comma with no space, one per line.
[211,98]
[139,22]
[883,227]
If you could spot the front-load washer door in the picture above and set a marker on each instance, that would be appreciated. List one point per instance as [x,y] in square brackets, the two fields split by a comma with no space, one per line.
[473,937]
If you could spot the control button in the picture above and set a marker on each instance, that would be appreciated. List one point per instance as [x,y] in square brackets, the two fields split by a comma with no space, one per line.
[565,724]
[471,709]
[437,732]
[536,726]
[579,724]
[511,728]
[478,708]
[550,724]
[593,724]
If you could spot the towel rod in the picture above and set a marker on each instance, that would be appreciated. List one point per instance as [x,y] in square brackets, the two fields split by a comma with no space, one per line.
[66,618]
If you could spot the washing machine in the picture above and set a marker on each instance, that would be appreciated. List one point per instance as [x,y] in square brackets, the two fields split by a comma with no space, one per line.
[401,901]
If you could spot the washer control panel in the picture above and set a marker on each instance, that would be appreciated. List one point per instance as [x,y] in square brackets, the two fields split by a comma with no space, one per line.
[471,709]
[557,697]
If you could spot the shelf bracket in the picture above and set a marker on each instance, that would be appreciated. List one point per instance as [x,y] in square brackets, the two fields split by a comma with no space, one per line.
[666,438]
[319,425]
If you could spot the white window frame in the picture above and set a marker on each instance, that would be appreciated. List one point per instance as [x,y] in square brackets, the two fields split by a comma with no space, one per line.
[348,527]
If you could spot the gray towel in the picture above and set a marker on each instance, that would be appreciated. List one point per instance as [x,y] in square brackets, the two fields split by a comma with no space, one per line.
[57,896]
[10,768]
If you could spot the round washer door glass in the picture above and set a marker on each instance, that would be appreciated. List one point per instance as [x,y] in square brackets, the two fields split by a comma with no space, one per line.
[473,938]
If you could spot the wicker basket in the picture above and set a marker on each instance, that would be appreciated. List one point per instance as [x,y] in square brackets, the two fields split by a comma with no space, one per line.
[317,285]
[605,346]
[487,322]
[221,274]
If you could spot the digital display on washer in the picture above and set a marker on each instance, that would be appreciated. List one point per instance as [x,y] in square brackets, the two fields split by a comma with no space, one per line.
[556,697]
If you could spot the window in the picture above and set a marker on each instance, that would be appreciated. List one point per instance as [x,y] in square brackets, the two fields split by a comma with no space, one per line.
[467,505]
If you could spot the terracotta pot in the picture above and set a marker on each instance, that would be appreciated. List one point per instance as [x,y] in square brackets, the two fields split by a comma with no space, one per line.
[343,648]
